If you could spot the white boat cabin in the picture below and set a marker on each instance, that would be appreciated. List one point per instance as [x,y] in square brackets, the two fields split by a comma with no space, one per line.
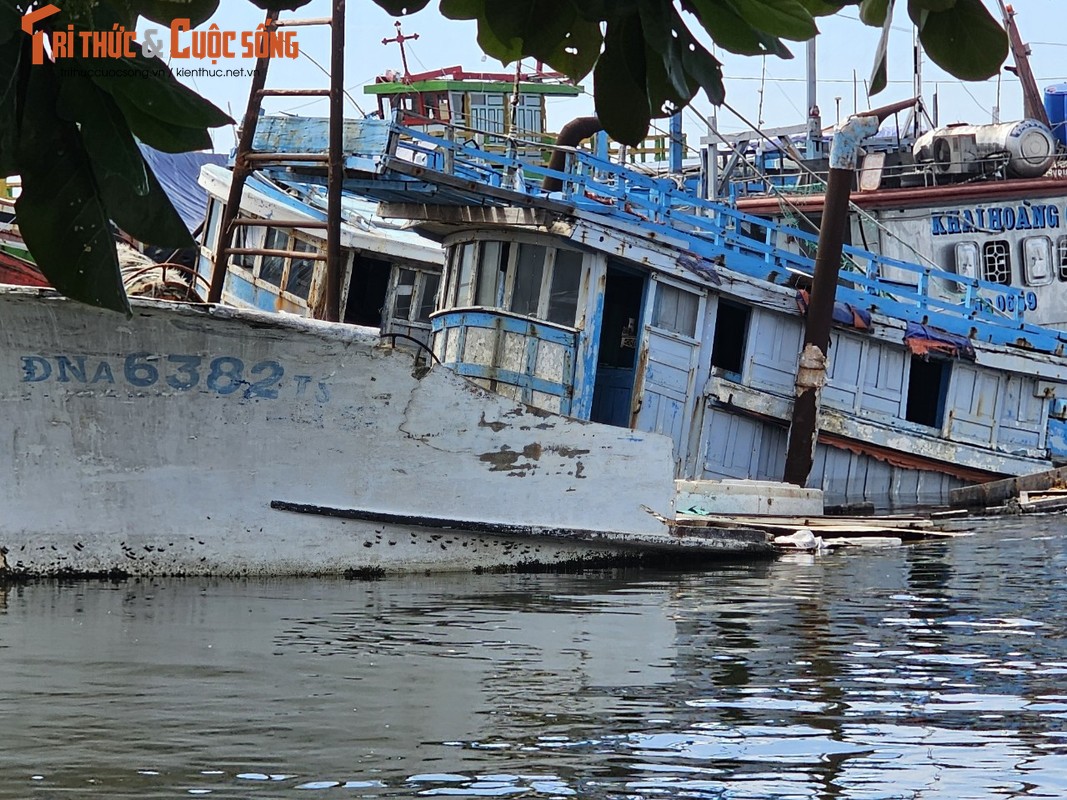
[391,275]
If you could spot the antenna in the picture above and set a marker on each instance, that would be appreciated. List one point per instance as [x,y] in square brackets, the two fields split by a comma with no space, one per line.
[400,38]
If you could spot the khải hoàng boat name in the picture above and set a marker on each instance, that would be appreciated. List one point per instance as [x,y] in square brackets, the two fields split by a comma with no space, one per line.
[995,219]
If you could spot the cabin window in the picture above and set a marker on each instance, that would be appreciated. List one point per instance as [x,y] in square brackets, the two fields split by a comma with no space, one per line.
[967,260]
[563,291]
[528,115]
[927,390]
[405,290]
[525,278]
[415,295]
[487,112]
[244,237]
[272,267]
[211,230]
[428,300]
[1037,260]
[731,331]
[675,310]
[301,270]
[1061,257]
[529,270]
[996,262]
[465,256]
[492,271]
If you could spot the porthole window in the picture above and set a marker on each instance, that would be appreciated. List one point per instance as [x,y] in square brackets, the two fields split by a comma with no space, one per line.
[967,260]
[1037,260]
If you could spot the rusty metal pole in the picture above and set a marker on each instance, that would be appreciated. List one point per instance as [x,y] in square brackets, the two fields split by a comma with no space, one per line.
[336,175]
[241,170]
[811,369]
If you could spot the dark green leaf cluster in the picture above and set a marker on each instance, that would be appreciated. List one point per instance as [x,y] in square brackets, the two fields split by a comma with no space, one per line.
[71,132]
[648,63]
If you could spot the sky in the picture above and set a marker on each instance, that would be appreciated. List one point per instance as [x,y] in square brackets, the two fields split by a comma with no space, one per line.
[766,91]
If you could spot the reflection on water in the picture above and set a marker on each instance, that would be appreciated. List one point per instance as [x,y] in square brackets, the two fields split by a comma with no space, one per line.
[939,670]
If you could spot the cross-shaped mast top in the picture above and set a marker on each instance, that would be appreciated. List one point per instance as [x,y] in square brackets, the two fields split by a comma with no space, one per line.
[400,38]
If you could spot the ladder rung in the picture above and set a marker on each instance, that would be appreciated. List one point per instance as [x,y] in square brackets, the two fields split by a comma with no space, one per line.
[294,92]
[298,23]
[253,222]
[314,157]
[298,254]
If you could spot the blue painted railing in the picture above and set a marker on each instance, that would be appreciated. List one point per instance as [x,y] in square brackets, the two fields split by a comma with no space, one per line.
[712,230]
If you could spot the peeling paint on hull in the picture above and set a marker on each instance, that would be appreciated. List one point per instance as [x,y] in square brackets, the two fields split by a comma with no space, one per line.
[155,445]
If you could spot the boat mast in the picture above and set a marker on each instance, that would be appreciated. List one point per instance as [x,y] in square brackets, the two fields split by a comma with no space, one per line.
[1033,107]
[814,122]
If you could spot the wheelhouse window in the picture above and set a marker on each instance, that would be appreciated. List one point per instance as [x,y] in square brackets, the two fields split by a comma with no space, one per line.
[290,274]
[245,237]
[526,278]
[492,274]
[464,259]
[271,268]
[564,287]
[415,295]
[428,296]
[301,270]
[211,229]
[1037,260]
[996,262]
[530,270]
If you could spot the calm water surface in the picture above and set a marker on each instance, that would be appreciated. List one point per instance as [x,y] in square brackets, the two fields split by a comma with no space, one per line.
[937,670]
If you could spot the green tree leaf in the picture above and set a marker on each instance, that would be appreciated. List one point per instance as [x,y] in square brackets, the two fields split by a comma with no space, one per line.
[965,40]
[824,8]
[11,75]
[131,195]
[398,8]
[285,5]
[915,6]
[606,10]
[10,21]
[620,92]
[880,69]
[668,80]
[875,12]
[148,85]
[60,213]
[728,28]
[462,9]
[785,18]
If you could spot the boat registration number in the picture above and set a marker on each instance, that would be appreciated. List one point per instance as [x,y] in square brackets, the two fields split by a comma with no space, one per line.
[223,375]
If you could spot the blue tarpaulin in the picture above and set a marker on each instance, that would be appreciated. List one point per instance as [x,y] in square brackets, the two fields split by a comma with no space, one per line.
[177,174]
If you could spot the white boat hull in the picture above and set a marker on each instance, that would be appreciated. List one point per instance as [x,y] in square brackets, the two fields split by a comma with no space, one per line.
[156,445]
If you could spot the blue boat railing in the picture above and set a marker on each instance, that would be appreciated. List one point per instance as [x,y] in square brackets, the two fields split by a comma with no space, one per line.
[749,244]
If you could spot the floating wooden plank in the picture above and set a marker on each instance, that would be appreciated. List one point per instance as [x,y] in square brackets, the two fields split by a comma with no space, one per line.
[829,528]
[851,523]
[995,492]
